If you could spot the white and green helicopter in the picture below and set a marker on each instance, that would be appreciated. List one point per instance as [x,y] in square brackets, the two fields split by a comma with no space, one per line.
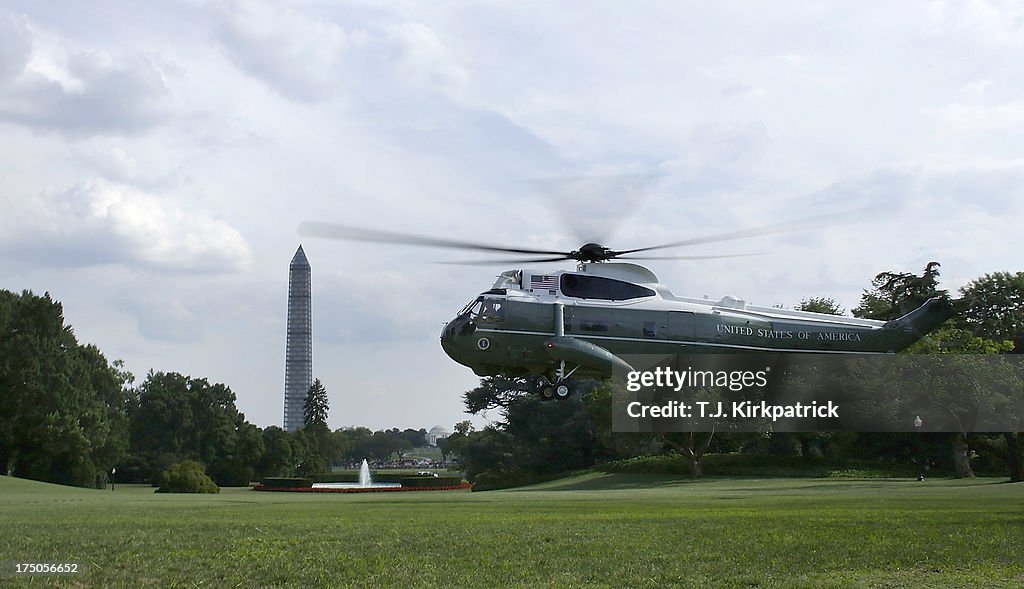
[581,323]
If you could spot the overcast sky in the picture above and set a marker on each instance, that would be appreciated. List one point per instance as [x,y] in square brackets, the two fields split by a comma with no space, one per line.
[157,158]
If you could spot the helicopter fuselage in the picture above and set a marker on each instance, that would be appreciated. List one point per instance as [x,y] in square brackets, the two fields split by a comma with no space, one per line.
[584,322]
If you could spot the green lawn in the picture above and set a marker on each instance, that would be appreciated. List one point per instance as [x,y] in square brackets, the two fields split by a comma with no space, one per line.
[592,530]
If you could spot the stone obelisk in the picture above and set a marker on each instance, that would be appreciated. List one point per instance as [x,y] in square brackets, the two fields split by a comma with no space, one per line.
[298,363]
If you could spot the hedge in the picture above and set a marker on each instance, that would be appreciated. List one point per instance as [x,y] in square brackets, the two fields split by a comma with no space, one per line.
[287,482]
[406,480]
[756,465]
[461,486]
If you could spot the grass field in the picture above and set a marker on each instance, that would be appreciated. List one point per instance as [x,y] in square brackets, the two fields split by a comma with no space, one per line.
[591,530]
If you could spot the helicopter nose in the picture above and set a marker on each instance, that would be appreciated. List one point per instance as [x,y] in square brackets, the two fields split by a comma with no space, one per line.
[450,335]
[448,339]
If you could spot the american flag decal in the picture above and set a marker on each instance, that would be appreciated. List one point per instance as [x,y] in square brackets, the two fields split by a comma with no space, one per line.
[546,282]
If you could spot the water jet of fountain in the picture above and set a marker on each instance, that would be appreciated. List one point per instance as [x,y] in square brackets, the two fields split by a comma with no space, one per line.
[365,480]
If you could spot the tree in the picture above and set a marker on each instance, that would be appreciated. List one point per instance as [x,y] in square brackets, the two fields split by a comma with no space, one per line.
[965,386]
[238,468]
[993,307]
[402,447]
[382,444]
[417,437]
[893,294]
[962,386]
[692,445]
[63,417]
[353,443]
[455,443]
[534,437]
[178,417]
[442,445]
[825,305]
[490,451]
[308,460]
[314,410]
[277,458]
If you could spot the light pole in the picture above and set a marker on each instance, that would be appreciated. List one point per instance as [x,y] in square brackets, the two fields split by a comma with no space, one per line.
[113,471]
[921,459]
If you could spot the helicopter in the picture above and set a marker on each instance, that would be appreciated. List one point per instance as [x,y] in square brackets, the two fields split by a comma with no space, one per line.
[564,324]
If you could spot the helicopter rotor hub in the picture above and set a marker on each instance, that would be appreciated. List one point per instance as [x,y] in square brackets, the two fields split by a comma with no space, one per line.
[592,252]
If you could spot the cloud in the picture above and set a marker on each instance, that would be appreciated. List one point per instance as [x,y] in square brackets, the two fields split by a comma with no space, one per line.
[716,157]
[297,55]
[165,319]
[991,23]
[43,86]
[880,189]
[15,47]
[972,117]
[311,58]
[994,188]
[374,307]
[424,56]
[98,222]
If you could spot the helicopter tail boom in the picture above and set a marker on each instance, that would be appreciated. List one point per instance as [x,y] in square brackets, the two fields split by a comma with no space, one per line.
[906,330]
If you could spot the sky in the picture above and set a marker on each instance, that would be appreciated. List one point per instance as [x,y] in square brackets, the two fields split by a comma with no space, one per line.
[157,158]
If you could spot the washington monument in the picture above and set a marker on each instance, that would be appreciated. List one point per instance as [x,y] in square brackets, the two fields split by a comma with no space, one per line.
[298,363]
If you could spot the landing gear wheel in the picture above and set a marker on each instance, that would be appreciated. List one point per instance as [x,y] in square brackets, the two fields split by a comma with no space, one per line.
[561,378]
[562,390]
[547,392]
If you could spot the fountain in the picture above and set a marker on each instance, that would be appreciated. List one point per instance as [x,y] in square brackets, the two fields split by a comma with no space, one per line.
[365,481]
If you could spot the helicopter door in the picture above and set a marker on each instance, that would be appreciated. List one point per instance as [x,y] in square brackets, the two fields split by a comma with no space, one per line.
[681,325]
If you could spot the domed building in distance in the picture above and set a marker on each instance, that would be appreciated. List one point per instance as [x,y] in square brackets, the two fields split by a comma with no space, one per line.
[437,433]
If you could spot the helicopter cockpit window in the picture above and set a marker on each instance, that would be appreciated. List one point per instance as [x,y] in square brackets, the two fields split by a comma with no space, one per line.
[485,310]
[491,311]
[473,307]
[597,287]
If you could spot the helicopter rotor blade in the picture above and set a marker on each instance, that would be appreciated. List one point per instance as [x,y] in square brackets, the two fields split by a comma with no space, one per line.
[829,220]
[509,261]
[708,257]
[344,232]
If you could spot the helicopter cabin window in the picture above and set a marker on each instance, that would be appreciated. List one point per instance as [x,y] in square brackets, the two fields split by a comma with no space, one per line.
[650,329]
[594,324]
[598,287]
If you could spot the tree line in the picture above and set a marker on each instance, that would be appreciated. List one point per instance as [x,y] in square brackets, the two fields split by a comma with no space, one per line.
[533,438]
[68,415]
